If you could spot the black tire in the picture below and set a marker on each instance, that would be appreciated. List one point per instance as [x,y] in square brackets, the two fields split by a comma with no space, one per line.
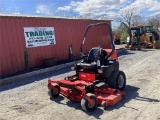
[117,80]
[85,104]
[52,94]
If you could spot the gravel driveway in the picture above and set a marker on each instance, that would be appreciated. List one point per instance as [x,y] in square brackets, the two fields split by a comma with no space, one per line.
[28,99]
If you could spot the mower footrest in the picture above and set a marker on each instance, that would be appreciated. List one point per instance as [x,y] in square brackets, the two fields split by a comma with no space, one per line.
[100,84]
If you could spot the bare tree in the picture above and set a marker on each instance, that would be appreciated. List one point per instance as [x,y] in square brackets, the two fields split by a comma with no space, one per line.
[121,29]
[154,21]
[126,16]
[138,20]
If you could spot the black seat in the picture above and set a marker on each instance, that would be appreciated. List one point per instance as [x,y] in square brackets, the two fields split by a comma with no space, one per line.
[92,53]
[90,63]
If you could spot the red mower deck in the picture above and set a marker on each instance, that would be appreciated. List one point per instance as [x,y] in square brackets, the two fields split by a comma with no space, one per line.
[104,94]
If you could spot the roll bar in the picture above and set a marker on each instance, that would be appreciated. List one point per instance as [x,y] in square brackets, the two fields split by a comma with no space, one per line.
[111,37]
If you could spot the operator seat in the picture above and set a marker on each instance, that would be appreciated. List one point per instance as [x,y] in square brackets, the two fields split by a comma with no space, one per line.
[92,53]
[90,63]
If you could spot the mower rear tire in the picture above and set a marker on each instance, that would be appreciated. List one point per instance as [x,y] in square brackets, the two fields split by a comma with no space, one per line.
[117,80]
[54,94]
[85,104]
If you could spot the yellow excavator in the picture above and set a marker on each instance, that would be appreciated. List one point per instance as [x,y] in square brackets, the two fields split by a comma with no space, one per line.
[143,37]
[148,36]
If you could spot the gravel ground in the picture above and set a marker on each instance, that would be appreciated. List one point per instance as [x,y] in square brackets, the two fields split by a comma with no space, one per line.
[28,99]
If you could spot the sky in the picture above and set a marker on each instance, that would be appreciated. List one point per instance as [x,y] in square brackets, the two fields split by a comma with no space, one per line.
[93,9]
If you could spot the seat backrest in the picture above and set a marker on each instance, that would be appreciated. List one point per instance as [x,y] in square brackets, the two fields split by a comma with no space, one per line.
[103,54]
[94,51]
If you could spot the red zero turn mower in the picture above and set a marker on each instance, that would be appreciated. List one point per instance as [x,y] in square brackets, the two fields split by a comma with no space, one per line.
[98,79]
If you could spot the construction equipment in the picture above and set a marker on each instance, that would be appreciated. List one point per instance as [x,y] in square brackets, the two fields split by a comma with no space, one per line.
[135,38]
[147,36]
[143,37]
[97,78]
[117,40]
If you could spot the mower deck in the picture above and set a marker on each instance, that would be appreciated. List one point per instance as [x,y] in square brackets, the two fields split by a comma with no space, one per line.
[75,91]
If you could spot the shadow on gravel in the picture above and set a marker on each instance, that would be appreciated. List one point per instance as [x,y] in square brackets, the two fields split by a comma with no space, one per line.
[146,50]
[77,105]
[32,79]
[147,99]
[58,99]
[124,52]
[97,113]
[131,92]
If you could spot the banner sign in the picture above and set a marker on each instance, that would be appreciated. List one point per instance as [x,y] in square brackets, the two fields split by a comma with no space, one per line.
[39,36]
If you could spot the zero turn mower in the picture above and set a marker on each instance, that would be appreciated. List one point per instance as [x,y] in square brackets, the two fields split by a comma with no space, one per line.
[98,80]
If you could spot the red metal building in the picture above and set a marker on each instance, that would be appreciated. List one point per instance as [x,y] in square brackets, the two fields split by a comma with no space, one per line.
[67,32]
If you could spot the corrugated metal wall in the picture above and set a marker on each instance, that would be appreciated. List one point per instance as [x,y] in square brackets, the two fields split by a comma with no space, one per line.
[67,31]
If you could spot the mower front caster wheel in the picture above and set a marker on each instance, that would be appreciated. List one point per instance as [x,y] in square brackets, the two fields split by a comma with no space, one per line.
[53,93]
[86,105]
